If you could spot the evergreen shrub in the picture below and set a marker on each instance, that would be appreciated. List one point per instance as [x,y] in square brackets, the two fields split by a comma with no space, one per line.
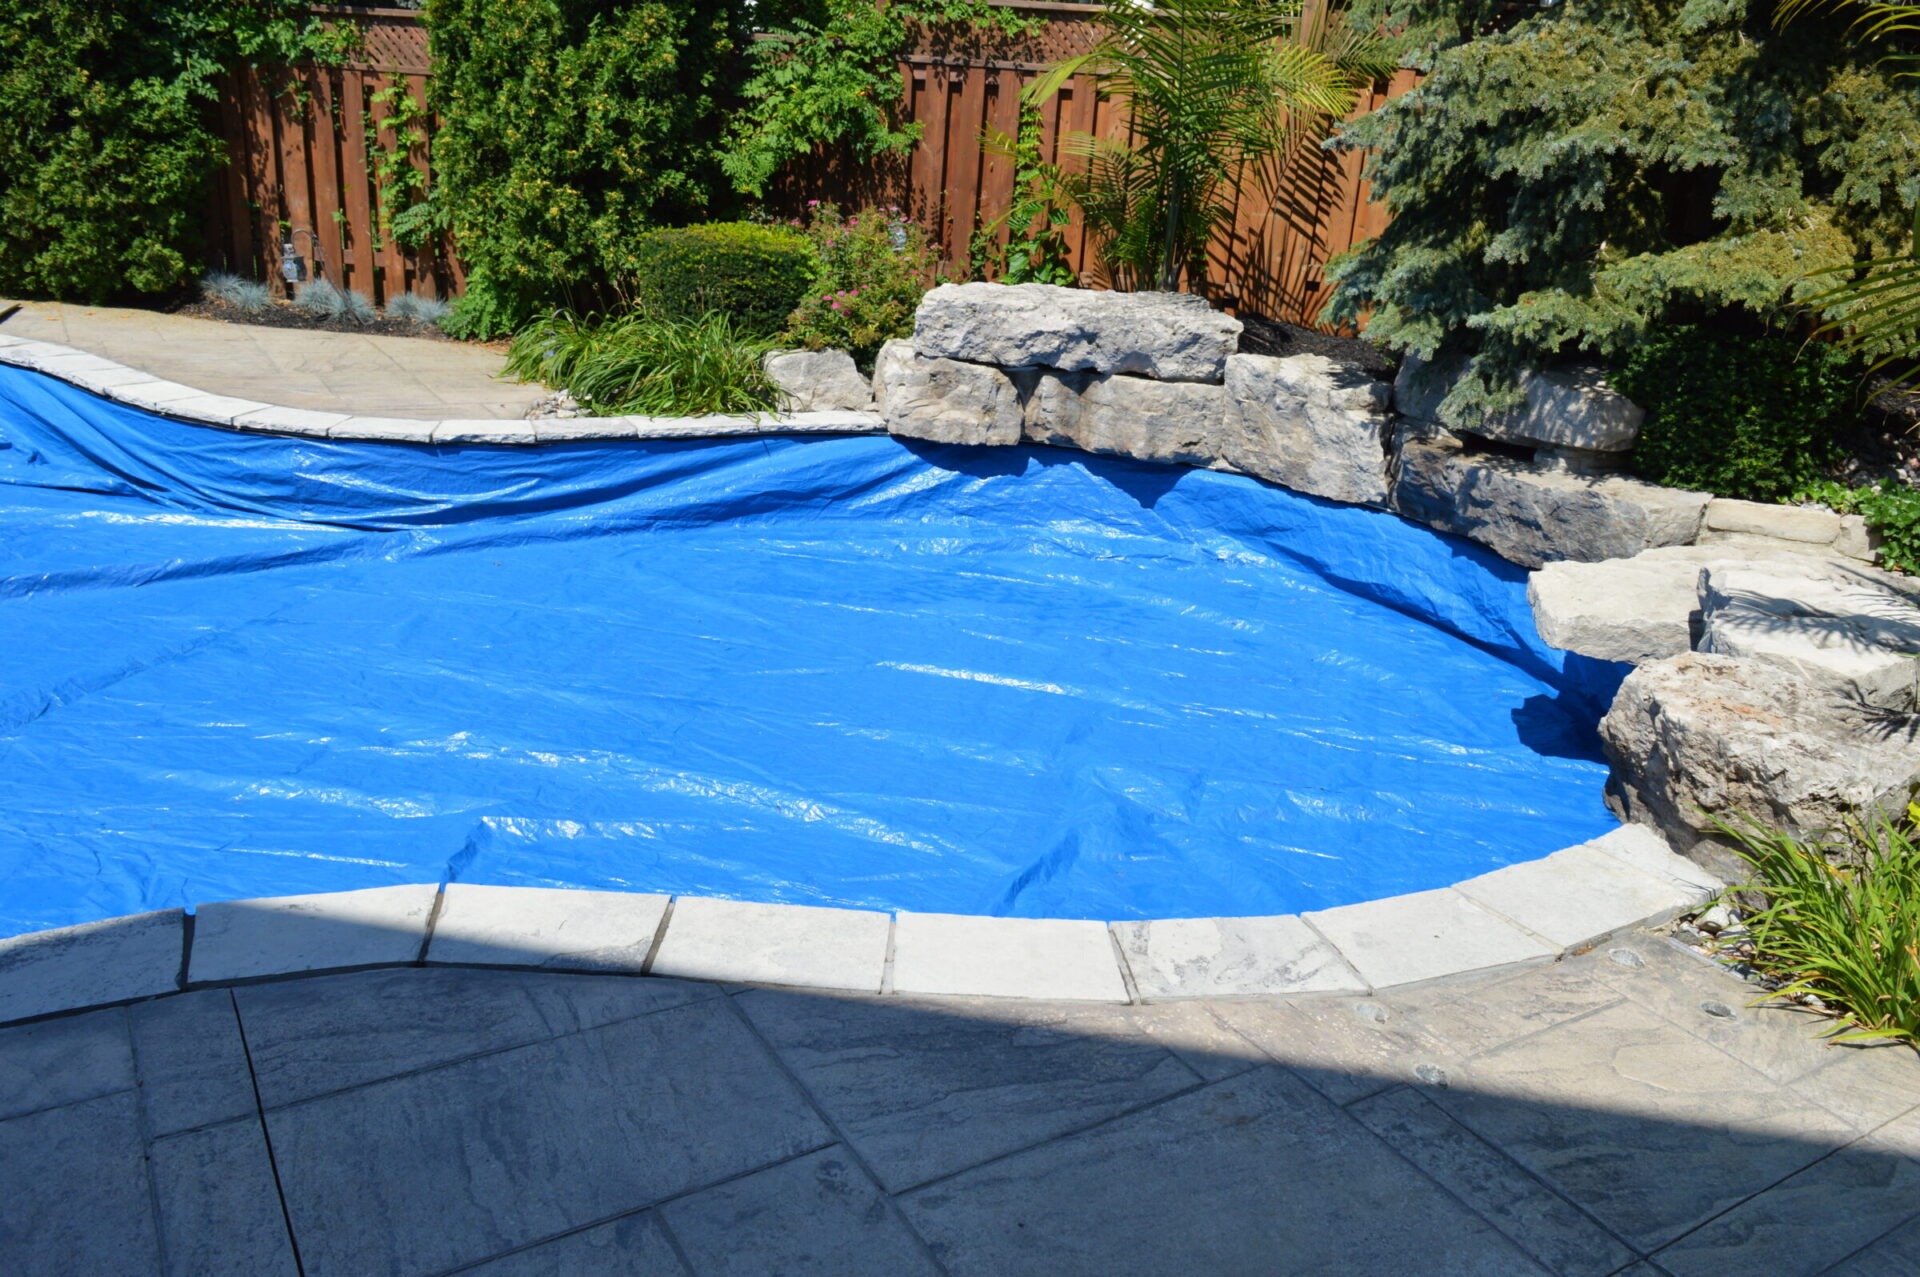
[753,274]
[108,149]
[567,129]
[1569,177]
[1737,414]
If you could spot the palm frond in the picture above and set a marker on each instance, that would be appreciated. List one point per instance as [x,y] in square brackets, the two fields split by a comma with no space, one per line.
[1219,94]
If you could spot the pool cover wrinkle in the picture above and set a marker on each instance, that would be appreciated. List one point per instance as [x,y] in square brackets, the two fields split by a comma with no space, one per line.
[832,670]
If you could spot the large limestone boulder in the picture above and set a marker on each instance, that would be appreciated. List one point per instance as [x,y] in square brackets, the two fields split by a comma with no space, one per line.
[1167,336]
[1848,631]
[1309,423]
[1702,735]
[1168,421]
[888,367]
[1638,609]
[1573,407]
[945,400]
[1532,516]
[818,381]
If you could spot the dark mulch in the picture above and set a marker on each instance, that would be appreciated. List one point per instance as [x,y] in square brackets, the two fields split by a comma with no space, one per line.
[1884,442]
[284,315]
[1265,336]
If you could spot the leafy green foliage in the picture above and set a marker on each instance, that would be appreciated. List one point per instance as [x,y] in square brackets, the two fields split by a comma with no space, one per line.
[565,130]
[830,76]
[107,151]
[1738,415]
[1220,93]
[395,142]
[753,274]
[1841,921]
[1570,177]
[1892,512]
[642,364]
[1037,219]
[874,268]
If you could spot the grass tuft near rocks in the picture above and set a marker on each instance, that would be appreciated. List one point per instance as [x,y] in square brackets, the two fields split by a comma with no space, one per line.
[647,365]
[1838,926]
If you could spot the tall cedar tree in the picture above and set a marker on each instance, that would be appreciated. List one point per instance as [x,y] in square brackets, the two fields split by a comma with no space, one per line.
[565,129]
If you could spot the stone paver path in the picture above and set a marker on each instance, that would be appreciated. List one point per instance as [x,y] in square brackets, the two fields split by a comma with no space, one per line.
[1621,1111]
[354,373]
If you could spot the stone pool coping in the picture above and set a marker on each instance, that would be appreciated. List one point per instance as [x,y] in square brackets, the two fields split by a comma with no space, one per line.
[1536,911]
[143,390]
[1533,912]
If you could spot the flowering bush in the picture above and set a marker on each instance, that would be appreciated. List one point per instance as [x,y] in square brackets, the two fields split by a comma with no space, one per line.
[875,266]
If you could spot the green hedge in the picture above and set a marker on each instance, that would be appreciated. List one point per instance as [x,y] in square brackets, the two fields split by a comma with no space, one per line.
[1737,414]
[755,275]
[567,129]
[107,149]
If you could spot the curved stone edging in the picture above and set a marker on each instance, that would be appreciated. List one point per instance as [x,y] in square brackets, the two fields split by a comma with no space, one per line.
[1532,912]
[142,390]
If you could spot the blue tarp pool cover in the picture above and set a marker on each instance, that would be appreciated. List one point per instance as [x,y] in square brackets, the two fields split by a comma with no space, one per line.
[843,671]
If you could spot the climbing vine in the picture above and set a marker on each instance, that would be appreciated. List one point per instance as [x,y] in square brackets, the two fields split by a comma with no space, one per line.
[396,145]
[831,77]
[1037,219]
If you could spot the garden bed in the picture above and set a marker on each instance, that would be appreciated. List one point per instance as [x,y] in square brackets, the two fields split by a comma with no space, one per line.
[280,314]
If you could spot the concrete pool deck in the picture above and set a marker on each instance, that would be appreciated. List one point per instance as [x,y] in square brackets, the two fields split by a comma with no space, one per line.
[359,374]
[1623,1111]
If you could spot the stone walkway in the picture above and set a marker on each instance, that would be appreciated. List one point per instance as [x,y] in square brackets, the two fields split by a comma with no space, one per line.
[1621,1111]
[358,374]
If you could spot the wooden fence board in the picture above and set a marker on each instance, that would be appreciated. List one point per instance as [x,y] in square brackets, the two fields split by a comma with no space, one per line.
[329,205]
[312,168]
[362,241]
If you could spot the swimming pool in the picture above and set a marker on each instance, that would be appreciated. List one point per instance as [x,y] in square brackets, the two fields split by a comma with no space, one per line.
[840,671]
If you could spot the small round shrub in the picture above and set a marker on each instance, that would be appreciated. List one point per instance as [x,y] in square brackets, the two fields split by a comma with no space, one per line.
[754,275]
[248,296]
[322,300]
[1739,415]
[414,309]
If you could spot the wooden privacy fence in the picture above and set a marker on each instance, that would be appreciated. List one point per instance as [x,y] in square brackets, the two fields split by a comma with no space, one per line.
[325,157]
[326,150]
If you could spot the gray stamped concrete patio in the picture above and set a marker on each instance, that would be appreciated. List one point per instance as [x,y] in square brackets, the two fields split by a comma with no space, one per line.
[1620,1111]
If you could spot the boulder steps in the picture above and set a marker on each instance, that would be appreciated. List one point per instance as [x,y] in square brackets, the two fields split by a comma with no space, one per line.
[1532,516]
[1700,735]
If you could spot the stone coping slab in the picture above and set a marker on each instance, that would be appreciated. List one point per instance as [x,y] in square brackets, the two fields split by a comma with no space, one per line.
[1536,911]
[138,389]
